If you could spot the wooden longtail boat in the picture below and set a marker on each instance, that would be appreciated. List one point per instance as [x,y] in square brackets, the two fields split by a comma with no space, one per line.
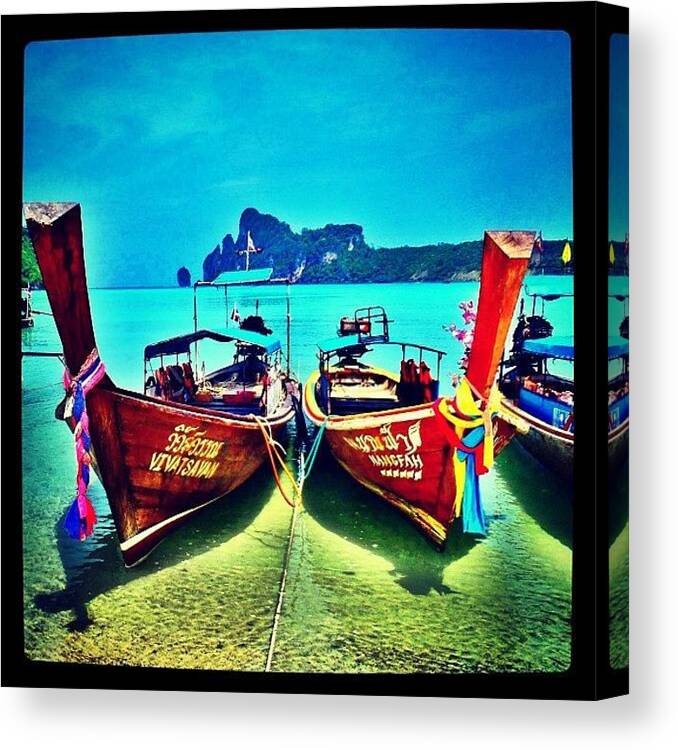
[393,433]
[545,399]
[163,454]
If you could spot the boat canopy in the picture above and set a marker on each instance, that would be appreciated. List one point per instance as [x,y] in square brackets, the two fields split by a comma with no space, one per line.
[618,287]
[182,344]
[617,346]
[328,346]
[558,347]
[535,288]
[231,278]
[562,347]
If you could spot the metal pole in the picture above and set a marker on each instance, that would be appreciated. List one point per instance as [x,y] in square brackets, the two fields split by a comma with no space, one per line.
[289,339]
[195,317]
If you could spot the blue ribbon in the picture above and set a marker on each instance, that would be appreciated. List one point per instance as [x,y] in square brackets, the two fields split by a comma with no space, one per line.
[473,515]
[73,522]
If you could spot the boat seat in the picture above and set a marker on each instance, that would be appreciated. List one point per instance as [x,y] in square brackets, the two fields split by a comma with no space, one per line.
[363,391]
[345,406]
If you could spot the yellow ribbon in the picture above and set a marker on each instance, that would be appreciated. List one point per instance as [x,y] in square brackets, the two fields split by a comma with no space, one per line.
[469,415]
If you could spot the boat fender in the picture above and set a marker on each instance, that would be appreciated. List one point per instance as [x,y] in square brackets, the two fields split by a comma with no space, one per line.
[265,382]
[324,393]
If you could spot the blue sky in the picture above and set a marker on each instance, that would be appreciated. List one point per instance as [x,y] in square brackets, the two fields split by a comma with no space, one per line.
[619,137]
[420,136]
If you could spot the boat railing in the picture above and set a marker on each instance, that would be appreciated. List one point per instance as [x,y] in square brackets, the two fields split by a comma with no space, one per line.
[377,321]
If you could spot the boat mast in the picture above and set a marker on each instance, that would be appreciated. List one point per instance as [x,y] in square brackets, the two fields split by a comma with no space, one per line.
[195,320]
[289,320]
[505,259]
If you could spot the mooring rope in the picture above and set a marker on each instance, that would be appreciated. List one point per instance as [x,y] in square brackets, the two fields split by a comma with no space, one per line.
[305,467]
[281,590]
[276,452]
[312,453]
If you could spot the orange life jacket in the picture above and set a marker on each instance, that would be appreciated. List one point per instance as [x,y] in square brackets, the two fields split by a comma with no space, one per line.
[161,380]
[413,375]
[189,380]
[426,382]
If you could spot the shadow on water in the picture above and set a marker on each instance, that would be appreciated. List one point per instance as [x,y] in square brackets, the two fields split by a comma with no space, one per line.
[618,502]
[95,566]
[347,509]
[545,497]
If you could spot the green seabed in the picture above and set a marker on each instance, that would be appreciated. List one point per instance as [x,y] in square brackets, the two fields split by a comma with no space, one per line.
[619,569]
[365,591]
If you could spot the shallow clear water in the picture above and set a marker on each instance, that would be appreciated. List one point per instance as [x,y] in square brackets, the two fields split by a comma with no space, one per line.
[365,591]
[618,539]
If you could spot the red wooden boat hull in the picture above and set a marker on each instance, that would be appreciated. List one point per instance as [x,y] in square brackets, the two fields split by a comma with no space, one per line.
[403,455]
[158,461]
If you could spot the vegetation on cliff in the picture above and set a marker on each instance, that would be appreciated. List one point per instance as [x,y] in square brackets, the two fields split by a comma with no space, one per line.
[30,272]
[339,253]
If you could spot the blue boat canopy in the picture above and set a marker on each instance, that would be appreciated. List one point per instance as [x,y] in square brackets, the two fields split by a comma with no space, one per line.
[618,286]
[617,347]
[562,347]
[339,342]
[327,346]
[254,276]
[540,288]
[558,347]
[182,344]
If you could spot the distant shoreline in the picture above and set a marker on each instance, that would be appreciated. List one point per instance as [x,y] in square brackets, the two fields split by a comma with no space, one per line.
[331,283]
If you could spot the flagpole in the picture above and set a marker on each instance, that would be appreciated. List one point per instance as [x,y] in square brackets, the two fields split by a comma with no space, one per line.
[289,319]
[195,318]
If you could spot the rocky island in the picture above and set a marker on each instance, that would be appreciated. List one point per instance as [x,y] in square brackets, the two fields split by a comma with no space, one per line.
[339,253]
[184,277]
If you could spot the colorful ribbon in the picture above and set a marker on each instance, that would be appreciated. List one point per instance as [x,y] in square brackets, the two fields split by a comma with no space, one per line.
[469,429]
[80,519]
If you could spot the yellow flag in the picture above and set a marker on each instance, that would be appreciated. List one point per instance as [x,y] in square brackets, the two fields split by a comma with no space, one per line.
[566,257]
[611,254]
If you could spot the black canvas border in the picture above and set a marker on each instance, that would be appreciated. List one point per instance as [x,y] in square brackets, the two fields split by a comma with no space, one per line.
[579,20]
[611,20]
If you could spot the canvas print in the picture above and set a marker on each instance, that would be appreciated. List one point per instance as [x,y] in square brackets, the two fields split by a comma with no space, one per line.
[618,352]
[297,351]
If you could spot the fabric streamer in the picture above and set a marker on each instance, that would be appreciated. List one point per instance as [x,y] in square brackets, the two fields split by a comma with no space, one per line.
[80,519]
[472,513]
[470,434]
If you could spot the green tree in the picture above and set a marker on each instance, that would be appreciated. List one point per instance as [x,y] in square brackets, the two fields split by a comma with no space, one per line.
[30,272]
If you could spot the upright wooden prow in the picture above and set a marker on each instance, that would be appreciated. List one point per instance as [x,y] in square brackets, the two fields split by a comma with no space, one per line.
[55,230]
[505,259]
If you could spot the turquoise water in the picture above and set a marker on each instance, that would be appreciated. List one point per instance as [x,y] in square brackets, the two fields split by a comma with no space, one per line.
[365,592]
